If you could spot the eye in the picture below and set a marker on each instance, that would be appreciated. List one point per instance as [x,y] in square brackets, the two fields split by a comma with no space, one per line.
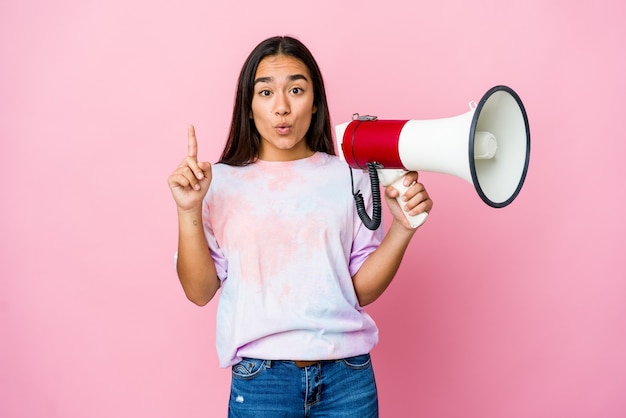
[265,93]
[297,90]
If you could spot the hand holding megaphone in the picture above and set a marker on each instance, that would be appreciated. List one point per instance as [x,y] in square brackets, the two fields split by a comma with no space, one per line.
[396,179]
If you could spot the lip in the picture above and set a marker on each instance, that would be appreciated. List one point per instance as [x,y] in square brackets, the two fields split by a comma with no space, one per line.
[283,129]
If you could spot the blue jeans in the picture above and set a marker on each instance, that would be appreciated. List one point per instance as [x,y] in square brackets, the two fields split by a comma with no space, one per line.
[338,388]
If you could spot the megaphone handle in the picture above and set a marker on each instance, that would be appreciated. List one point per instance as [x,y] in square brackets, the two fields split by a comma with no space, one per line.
[398,184]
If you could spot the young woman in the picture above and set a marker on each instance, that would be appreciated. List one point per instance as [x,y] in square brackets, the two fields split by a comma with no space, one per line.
[274,225]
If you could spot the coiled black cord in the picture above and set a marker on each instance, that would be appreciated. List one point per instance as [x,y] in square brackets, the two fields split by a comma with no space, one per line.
[373,222]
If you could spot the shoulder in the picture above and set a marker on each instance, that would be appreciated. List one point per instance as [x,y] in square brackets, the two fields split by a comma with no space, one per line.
[343,175]
[335,166]
[225,177]
[223,167]
[223,170]
[330,161]
[357,174]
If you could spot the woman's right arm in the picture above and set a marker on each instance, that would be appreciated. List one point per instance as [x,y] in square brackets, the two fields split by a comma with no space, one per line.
[189,184]
[194,265]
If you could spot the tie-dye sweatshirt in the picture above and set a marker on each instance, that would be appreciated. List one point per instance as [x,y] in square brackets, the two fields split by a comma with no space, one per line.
[286,241]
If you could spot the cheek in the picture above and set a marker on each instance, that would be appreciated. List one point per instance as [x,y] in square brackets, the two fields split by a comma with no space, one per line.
[253,109]
[257,108]
[258,116]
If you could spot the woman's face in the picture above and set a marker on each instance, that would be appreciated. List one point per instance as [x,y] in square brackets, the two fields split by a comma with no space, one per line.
[282,108]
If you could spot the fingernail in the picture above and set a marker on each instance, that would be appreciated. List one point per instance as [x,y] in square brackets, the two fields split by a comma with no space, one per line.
[196,186]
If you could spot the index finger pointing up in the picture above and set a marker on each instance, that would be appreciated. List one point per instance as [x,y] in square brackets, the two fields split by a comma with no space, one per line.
[192,143]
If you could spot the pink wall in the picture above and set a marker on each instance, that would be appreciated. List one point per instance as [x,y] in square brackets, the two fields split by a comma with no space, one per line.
[519,312]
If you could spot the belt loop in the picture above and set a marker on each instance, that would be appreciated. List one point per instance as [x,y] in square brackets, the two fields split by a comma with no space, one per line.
[268,364]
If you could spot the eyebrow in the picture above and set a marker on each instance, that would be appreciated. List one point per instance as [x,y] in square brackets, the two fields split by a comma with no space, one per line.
[293,77]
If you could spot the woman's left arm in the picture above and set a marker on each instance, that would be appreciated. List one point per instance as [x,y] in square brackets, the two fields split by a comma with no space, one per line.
[380,267]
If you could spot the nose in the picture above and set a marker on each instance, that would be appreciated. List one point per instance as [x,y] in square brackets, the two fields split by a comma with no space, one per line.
[281,105]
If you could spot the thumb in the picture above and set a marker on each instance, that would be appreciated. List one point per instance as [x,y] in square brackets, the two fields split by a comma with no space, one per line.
[206,169]
[204,166]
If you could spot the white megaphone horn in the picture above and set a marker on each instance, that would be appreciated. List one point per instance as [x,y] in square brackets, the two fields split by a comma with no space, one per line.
[489,147]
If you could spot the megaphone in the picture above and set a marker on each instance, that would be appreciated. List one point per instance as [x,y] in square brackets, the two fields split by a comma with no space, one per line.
[489,147]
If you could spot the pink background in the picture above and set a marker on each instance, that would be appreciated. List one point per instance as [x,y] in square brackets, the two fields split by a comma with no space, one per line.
[518,312]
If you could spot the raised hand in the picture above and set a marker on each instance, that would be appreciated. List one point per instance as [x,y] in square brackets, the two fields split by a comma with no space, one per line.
[190,182]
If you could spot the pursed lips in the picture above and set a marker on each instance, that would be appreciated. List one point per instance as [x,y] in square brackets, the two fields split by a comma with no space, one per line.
[282,128]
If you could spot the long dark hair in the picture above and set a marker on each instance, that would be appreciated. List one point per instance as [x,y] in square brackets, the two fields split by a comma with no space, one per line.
[242,146]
